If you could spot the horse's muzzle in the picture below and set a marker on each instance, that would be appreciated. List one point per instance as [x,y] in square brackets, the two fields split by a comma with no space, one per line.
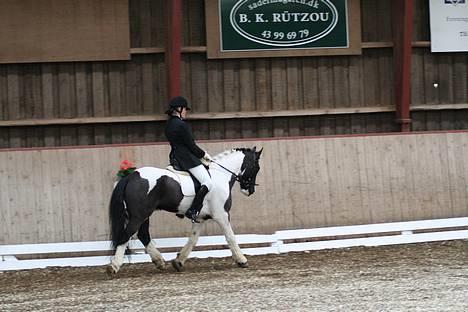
[245,192]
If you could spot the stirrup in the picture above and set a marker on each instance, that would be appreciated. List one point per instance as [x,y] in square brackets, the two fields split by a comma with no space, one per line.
[192,217]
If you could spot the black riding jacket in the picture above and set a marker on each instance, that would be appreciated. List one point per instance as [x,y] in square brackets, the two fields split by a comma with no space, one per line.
[185,154]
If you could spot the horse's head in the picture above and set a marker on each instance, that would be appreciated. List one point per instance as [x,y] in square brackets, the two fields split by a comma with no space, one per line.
[249,169]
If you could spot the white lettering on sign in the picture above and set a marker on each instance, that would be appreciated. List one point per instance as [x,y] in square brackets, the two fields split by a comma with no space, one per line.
[272,25]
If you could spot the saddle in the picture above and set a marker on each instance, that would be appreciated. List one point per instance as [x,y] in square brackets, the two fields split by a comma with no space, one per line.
[185,179]
[188,189]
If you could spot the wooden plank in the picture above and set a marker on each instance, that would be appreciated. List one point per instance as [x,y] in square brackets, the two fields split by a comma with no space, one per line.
[356,82]
[459,78]
[215,86]
[6,217]
[66,90]
[196,23]
[50,136]
[116,90]
[248,129]
[27,91]
[310,89]
[131,98]
[386,80]
[278,86]
[86,135]
[247,85]
[457,170]
[99,106]
[159,84]
[340,87]
[3,93]
[199,83]
[369,20]
[384,21]
[14,98]
[220,115]
[148,96]
[325,82]
[233,129]
[446,81]
[216,130]
[263,84]
[417,78]
[134,25]
[295,127]
[265,128]
[294,91]
[231,86]
[48,91]
[348,177]
[461,121]
[185,79]
[431,79]
[370,68]
[157,28]
[145,20]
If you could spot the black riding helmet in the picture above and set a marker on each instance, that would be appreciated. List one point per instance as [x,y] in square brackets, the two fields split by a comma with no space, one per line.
[176,102]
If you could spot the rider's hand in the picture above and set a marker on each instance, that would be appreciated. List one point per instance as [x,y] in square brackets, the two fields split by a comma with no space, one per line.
[207,157]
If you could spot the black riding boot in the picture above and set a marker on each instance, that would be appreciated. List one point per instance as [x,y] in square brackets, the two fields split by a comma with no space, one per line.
[197,204]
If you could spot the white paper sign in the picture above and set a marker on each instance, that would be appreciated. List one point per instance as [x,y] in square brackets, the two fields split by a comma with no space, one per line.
[449,25]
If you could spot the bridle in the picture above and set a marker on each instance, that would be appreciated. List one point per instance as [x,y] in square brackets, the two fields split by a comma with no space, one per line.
[239,178]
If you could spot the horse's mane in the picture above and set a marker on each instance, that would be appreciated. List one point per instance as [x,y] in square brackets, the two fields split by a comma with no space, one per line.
[230,151]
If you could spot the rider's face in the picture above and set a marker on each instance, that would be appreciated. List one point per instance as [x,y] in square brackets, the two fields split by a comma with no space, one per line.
[183,113]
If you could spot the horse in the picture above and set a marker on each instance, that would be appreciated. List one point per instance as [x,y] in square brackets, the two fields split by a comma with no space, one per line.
[136,196]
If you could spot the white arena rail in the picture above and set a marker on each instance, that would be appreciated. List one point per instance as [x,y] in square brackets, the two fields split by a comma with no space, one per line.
[279,242]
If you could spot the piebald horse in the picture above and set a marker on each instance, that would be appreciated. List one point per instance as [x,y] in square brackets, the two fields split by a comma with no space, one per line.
[138,195]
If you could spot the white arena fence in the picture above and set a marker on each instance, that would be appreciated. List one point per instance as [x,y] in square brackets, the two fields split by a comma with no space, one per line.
[279,242]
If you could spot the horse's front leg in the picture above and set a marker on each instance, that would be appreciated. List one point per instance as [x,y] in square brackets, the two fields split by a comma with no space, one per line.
[238,256]
[182,256]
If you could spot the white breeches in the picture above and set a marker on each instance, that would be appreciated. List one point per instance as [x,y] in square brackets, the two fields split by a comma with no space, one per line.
[200,173]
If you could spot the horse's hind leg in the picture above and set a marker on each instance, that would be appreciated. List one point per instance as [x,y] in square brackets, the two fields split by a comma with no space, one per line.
[178,263]
[118,259]
[237,254]
[144,237]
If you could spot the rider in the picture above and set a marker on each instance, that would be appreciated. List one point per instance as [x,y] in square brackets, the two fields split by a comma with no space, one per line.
[185,154]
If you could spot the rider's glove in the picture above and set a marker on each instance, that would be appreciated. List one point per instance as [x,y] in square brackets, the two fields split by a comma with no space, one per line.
[207,157]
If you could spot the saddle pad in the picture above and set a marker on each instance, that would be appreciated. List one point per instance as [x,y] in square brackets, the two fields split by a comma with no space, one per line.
[152,174]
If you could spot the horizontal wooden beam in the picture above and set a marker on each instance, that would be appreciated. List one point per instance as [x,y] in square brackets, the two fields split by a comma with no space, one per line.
[147,50]
[227,115]
[202,49]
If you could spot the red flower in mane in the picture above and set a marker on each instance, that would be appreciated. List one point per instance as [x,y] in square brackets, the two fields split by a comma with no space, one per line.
[126,167]
[126,164]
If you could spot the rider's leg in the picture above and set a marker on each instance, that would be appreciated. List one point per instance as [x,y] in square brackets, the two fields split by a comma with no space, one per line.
[201,174]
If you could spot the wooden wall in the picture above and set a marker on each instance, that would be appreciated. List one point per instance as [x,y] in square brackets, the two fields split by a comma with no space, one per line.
[87,103]
[61,195]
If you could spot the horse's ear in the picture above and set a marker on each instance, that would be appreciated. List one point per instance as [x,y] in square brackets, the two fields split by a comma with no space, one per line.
[259,152]
[254,149]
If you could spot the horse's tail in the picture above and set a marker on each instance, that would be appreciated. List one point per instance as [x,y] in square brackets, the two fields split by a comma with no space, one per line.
[118,212]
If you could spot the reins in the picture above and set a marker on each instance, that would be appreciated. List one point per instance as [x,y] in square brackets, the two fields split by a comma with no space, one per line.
[235,175]
[238,177]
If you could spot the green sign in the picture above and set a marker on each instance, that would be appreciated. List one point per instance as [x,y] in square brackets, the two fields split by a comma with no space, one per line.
[282,24]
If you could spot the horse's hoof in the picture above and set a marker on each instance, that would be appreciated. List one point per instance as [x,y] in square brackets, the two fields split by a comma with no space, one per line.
[111,271]
[243,265]
[159,265]
[177,265]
